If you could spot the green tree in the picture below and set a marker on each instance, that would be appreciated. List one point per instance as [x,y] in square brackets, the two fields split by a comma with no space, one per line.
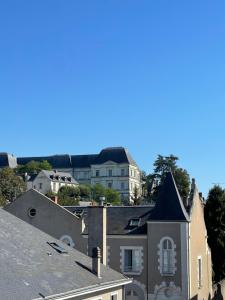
[215,224]
[112,197]
[136,196]
[68,195]
[11,185]
[85,191]
[97,191]
[33,167]
[162,165]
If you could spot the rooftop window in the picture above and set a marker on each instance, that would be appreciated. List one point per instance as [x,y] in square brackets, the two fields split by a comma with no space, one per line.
[135,222]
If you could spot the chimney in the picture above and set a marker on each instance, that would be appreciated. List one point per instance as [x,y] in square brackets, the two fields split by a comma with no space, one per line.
[55,199]
[96,261]
[97,230]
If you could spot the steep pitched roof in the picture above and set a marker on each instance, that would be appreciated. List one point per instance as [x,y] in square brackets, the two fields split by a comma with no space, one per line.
[35,270]
[83,161]
[56,161]
[169,205]
[115,154]
[59,176]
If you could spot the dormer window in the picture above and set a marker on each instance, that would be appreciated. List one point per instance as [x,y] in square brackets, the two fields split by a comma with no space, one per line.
[69,179]
[135,222]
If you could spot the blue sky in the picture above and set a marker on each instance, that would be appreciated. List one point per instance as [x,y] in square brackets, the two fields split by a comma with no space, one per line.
[77,76]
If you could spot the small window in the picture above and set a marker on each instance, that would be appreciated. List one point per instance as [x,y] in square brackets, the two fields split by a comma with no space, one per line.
[110,173]
[32,212]
[110,185]
[122,186]
[199,272]
[40,185]
[122,172]
[167,257]
[135,222]
[97,173]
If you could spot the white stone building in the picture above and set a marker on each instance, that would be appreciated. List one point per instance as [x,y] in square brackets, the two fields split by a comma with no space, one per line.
[50,181]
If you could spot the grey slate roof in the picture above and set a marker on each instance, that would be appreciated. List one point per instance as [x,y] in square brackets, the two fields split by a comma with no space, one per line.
[66,161]
[54,174]
[32,269]
[118,218]
[169,205]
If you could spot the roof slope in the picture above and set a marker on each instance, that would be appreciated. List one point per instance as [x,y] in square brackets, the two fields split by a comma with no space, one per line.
[169,205]
[115,154]
[61,175]
[56,161]
[32,269]
[119,217]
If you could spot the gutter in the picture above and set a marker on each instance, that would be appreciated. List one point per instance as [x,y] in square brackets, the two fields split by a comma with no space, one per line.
[85,291]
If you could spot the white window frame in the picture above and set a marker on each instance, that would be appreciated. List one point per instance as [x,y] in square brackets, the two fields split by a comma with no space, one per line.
[173,257]
[122,259]
[199,273]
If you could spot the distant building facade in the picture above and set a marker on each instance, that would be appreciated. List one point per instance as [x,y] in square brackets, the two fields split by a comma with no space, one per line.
[163,247]
[50,181]
[113,168]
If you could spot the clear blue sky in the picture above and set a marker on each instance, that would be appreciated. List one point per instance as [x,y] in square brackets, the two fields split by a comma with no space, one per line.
[77,76]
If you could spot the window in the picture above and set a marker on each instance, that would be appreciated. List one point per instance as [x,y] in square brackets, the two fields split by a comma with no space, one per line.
[122,172]
[110,185]
[167,257]
[40,185]
[122,186]
[132,260]
[134,173]
[199,272]
[110,173]
[97,173]
[114,296]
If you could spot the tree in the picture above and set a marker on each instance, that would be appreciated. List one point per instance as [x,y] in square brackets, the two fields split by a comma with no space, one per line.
[33,167]
[85,191]
[97,191]
[162,165]
[68,195]
[215,223]
[11,185]
[112,197]
[136,197]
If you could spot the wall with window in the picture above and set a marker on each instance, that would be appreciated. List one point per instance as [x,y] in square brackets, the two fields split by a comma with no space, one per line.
[200,256]
[164,259]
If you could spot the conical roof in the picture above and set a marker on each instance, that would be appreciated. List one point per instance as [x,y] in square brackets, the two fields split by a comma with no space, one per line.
[169,205]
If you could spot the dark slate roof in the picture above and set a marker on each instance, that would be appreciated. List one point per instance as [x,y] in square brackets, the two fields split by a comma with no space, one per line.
[56,161]
[118,218]
[115,154]
[32,269]
[169,205]
[7,160]
[83,161]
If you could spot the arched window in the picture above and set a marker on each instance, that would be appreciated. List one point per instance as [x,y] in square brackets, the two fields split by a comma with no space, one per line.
[167,257]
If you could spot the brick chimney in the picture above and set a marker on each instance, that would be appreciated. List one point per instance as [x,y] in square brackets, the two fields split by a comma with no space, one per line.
[96,261]
[97,230]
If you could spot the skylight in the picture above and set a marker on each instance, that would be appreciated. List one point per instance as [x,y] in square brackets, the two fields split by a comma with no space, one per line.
[135,222]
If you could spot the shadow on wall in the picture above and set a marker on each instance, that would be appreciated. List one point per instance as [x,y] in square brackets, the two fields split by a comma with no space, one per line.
[219,291]
[209,298]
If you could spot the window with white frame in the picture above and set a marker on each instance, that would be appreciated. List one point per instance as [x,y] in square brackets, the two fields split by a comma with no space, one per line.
[199,272]
[132,260]
[167,257]
[110,172]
